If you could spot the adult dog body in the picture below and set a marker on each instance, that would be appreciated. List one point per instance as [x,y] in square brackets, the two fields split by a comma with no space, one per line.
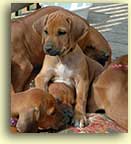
[110,91]
[26,45]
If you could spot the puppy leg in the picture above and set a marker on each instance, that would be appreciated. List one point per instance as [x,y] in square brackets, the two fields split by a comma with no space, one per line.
[80,119]
[42,80]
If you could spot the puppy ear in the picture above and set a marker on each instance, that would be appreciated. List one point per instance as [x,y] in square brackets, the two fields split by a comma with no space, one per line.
[78,27]
[39,24]
[50,111]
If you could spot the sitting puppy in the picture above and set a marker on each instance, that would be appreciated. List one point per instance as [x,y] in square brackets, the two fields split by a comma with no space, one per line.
[36,109]
[65,61]
[110,91]
[27,54]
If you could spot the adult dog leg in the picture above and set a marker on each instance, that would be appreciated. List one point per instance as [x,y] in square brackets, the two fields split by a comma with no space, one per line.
[20,74]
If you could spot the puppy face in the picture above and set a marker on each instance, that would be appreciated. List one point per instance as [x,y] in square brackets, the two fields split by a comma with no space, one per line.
[60,32]
[56,33]
[27,121]
[50,115]
[54,114]
[57,119]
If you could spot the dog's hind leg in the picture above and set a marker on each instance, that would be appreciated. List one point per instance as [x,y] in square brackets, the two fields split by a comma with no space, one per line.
[20,74]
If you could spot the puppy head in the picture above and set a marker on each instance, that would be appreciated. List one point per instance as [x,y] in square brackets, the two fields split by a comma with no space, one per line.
[63,93]
[59,119]
[27,121]
[56,115]
[60,32]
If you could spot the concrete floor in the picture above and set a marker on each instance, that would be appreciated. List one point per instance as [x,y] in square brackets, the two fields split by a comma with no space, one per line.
[111,20]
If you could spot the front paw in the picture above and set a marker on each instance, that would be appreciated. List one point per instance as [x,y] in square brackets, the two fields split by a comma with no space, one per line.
[80,120]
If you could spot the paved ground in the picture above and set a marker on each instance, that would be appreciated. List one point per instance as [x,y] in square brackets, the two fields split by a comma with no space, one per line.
[112,21]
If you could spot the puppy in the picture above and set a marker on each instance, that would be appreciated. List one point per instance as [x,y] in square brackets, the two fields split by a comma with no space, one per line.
[36,109]
[26,45]
[110,91]
[63,93]
[64,59]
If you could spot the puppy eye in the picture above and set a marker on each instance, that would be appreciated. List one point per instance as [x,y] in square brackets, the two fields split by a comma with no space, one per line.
[61,33]
[46,32]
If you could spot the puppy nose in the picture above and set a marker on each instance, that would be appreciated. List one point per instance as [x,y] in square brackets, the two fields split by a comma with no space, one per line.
[107,55]
[49,46]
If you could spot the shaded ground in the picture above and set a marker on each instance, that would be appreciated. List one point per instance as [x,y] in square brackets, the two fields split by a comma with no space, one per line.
[112,21]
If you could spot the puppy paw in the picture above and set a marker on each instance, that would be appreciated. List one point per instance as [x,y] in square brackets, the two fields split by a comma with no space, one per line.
[80,120]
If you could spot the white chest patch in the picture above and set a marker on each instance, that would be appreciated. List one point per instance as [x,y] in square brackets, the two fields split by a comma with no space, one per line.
[63,71]
[63,74]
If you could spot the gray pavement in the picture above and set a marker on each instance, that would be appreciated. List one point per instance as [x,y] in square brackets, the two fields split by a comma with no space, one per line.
[111,20]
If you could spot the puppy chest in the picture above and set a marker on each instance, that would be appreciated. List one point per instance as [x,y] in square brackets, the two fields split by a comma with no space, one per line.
[63,71]
[63,74]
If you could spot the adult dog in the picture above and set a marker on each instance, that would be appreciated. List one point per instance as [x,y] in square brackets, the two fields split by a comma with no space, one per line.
[27,51]
[65,60]
[110,91]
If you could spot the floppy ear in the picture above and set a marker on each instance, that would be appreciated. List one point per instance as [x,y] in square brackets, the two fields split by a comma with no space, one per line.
[50,111]
[78,27]
[39,24]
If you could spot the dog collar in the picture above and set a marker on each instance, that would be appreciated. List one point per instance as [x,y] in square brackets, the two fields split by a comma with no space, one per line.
[120,66]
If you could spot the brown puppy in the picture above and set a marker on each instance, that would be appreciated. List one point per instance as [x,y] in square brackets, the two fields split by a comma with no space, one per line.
[27,46]
[110,91]
[64,59]
[36,109]
[63,93]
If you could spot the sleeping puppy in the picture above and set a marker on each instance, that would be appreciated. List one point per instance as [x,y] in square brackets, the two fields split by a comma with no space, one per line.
[37,110]
[63,93]
[110,91]
[65,61]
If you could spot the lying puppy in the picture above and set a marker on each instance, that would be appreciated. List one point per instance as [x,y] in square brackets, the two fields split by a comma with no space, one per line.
[36,109]
[63,93]
[110,91]
[65,61]
[26,45]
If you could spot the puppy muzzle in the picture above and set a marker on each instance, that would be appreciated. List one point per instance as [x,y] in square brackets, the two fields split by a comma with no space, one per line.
[26,127]
[104,57]
[50,49]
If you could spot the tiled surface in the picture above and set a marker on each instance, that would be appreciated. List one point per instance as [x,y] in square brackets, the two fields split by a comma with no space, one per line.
[112,21]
